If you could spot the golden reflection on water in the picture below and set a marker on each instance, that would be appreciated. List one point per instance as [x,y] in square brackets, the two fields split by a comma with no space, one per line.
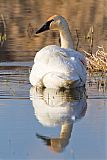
[58,108]
[80,16]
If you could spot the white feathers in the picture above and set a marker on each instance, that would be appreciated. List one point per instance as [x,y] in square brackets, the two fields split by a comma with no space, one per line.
[55,68]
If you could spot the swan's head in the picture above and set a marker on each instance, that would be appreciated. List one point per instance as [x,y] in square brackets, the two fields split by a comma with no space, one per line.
[55,22]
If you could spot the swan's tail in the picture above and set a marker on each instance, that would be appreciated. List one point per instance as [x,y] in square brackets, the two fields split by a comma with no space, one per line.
[59,80]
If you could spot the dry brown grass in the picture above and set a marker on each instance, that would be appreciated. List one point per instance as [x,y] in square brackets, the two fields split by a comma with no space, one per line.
[98,61]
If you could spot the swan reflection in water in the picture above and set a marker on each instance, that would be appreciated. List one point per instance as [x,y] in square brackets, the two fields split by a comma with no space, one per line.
[58,108]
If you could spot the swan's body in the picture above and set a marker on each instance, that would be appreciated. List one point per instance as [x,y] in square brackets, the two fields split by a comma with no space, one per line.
[56,67]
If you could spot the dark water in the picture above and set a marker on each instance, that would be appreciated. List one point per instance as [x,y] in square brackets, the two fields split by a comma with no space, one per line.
[48,124]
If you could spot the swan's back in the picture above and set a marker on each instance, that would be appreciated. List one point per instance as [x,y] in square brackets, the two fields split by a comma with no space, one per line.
[55,65]
[53,50]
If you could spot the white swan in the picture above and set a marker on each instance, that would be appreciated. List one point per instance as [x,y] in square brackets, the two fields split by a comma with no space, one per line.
[54,66]
[53,108]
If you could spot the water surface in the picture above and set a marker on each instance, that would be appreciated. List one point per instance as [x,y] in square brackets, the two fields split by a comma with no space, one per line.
[58,124]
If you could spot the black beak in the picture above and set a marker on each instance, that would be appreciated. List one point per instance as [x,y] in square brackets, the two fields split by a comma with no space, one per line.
[45,27]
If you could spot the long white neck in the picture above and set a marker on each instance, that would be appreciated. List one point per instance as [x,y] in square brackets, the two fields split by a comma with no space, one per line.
[66,40]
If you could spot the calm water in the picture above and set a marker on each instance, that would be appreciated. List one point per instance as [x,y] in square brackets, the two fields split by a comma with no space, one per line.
[48,124]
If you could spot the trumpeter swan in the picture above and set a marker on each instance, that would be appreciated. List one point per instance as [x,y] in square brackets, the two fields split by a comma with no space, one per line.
[57,67]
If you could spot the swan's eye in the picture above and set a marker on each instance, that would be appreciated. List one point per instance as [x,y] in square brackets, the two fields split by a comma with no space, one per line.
[49,22]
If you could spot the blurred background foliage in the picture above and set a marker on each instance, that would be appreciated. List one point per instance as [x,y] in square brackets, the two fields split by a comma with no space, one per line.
[80,14]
